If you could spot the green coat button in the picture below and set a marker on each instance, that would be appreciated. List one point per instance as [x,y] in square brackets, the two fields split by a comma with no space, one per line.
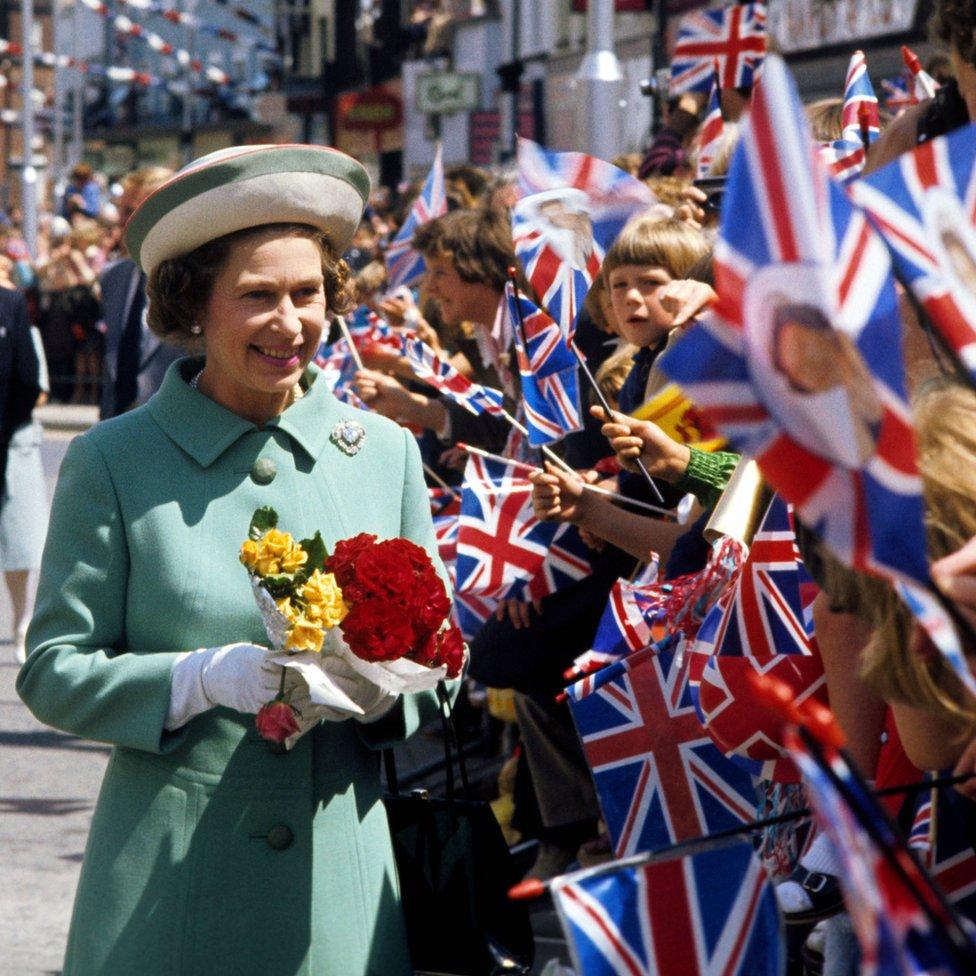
[263,471]
[280,837]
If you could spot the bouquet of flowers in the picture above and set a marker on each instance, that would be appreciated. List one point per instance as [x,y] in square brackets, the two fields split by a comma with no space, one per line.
[378,605]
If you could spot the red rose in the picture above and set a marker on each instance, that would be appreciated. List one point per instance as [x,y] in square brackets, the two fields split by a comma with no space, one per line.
[382,571]
[428,652]
[375,634]
[276,721]
[343,560]
[451,651]
[433,610]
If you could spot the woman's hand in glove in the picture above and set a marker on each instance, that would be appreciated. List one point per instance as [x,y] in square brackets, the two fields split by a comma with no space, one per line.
[373,700]
[238,676]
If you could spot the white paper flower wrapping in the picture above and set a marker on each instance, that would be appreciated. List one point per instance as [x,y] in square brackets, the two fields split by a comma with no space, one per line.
[396,677]
[275,622]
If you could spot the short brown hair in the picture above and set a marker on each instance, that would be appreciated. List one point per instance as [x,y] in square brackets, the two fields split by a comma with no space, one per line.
[954,23]
[479,242]
[671,244]
[179,288]
[82,173]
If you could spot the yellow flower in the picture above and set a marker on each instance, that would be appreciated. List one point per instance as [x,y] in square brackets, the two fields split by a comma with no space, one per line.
[276,543]
[293,559]
[323,596]
[267,565]
[304,635]
[249,553]
[286,609]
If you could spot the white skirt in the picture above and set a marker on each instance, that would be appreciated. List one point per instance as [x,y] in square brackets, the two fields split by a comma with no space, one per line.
[24,507]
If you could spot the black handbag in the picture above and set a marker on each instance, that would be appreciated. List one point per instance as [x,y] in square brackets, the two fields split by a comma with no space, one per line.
[455,870]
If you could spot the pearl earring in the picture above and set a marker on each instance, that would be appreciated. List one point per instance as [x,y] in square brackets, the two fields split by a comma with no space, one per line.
[195,329]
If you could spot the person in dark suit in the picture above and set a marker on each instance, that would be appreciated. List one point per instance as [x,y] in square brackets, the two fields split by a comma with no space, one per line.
[19,375]
[135,360]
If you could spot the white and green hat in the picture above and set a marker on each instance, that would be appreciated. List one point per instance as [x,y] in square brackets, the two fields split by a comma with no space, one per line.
[247,186]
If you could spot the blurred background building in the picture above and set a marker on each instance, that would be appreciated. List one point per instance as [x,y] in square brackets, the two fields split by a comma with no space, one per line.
[163,81]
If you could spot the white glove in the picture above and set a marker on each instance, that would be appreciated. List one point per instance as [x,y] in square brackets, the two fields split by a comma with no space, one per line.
[238,676]
[337,691]
[308,714]
[373,700]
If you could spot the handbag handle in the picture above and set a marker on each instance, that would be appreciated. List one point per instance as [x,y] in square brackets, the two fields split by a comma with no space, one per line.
[450,734]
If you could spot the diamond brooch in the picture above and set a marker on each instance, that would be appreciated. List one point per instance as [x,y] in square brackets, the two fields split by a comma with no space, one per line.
[348,436]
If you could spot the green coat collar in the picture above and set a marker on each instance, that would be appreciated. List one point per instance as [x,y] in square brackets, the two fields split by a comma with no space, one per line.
[204,429]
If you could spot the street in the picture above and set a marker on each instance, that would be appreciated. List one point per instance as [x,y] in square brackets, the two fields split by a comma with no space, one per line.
[47,793]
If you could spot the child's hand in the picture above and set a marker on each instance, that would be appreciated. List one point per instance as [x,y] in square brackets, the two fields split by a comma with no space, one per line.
[632,439]
[684,299]
[557,497]
[383,393]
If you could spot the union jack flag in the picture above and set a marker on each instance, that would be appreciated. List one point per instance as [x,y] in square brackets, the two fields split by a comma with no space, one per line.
[446,535]
[734,37]
[760,625]
[501,545]
[338,365]
[898,96]
[549,370]
[708,913]
[924,205]
[566,562]
[712,130]
[627,622]
[443,501]
[796,261]
[403,263]
[940,836]
[471,611]
[886,905]
[858,96]
[659,777]
[573,207]
[845,158]
[765,616]
[440,374]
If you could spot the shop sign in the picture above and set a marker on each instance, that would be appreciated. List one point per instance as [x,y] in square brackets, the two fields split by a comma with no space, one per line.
[447,92]
[375,110]
[803,25]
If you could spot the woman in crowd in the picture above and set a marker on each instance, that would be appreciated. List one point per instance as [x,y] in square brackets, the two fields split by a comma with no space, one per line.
[141,568]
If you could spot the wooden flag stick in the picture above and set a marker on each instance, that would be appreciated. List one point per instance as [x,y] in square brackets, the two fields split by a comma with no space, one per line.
[353,351]
[613,414]
[864,124]
[438,480]
[512,277]
[550,454]
[596,489]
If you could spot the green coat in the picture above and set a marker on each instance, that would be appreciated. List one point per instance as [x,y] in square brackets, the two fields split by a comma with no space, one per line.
[208,854]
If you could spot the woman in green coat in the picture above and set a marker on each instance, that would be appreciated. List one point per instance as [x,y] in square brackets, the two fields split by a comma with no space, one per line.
[208,853]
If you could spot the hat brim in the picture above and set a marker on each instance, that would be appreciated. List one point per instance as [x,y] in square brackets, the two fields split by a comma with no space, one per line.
[256,185]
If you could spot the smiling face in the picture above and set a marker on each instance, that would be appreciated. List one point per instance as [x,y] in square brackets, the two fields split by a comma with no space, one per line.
[638,313]
[263,323]
[459,300]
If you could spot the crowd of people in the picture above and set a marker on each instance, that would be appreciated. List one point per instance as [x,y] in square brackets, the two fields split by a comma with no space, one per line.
[902,709]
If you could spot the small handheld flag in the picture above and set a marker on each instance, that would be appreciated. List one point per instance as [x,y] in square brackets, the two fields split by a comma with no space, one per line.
[735,37]
[403,263]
